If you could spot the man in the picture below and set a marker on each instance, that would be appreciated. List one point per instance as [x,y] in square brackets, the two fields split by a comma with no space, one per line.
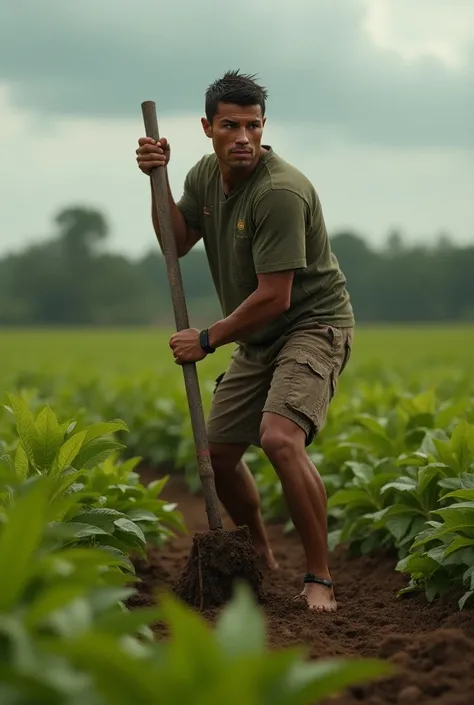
[285,304]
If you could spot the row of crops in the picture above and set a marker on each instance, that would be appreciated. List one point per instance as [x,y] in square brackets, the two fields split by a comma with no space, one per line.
[397,457]
[73,517]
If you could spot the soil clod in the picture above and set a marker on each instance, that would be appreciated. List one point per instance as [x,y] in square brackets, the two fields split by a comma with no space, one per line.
[219,559]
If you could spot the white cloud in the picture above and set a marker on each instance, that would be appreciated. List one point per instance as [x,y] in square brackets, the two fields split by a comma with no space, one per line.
[439,28]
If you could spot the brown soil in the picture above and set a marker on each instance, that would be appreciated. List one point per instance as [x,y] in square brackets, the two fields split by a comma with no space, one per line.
[217,559]
[431,644]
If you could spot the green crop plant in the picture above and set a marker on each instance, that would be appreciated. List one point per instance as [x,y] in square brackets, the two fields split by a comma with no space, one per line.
[94,498]
[71,518]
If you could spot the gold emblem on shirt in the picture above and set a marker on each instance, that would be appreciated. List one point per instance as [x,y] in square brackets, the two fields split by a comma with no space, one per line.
[240,224]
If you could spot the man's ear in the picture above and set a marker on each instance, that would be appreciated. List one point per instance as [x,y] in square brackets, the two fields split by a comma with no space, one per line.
[207,127]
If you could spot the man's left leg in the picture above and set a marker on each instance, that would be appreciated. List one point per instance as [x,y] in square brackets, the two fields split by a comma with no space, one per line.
[302,388]
[283,442]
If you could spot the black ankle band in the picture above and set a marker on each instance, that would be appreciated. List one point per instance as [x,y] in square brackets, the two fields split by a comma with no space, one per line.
[311,578]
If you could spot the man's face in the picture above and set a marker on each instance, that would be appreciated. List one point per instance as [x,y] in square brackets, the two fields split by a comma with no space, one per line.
[236,134]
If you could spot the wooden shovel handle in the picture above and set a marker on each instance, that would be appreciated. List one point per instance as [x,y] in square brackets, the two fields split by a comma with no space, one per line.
[160,190]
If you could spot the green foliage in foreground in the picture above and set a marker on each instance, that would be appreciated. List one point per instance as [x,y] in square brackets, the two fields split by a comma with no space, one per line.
[67,532]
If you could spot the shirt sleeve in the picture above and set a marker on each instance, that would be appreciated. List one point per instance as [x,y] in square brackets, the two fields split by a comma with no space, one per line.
[188,204]
[279,241]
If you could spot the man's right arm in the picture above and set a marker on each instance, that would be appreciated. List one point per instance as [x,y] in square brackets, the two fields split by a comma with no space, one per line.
[186,237]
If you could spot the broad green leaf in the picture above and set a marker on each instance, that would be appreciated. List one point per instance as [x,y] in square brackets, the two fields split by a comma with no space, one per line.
[398,526]
[308,683]
[127,622]
[120,679]
[465,556]
[427,474]
[464,508]
[381,479]
[240,628]
[464,599]
[156,486]
[372,425]
[403,484]
[130,528]
[50,600]
[64,482]
[419,421]
[69,451]
[103,428]
[8,474]
[462,443]
[73,530]
[430,441]
[362,471]
[467,481]
[19,540]
[105,597]
[193,648]
[461,494]
[73,618]
[445,453]
[95,451]
[21,651]
[417,563]
[469,574]
[415,459]
[450,410]
[436,554]
[125,562]
[21,462]
[46,439]
[424,403]
[458,544]
[24,424]
[354,497]
[141,515]
[104,517]
[396,422]
[58,508]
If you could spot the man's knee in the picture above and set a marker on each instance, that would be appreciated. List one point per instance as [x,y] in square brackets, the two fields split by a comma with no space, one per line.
[281,439]
[225,457]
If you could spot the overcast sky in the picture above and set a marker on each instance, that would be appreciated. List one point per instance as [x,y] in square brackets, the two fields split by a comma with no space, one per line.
[372,99]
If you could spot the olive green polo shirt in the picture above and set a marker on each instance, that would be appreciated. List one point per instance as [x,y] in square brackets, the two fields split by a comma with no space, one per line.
[272,222]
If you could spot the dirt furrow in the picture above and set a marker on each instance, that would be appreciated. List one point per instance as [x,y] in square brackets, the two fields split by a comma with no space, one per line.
[432,644]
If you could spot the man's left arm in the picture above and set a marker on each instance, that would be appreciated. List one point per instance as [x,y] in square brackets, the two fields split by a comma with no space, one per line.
[278,248]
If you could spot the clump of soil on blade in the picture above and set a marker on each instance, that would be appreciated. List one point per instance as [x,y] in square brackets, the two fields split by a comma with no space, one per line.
[218,560]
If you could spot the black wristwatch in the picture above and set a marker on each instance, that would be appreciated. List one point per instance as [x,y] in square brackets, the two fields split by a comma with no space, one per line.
[204,341]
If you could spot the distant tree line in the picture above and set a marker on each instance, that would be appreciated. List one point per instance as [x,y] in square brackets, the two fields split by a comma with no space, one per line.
[70,280]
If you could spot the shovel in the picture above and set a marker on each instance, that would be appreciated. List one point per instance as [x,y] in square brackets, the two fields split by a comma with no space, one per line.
[218,558]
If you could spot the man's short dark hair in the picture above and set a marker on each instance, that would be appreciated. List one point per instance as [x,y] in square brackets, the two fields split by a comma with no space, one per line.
[234,87]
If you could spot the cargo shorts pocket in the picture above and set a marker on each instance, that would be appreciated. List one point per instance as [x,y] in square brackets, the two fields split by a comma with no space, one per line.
[311,388]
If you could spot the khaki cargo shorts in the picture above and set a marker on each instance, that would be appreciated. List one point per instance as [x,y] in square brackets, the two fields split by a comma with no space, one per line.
[298,384]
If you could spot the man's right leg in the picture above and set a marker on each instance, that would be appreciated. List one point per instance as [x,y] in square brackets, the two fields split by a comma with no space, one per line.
[233,425]
[236,489]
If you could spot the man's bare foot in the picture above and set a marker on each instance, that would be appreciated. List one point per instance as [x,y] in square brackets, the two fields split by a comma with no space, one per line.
[318,596]
[266,558]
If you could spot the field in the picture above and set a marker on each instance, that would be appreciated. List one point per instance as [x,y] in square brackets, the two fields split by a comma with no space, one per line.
[397,458]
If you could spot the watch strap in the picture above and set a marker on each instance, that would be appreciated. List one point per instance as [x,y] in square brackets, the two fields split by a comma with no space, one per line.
[204,341]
